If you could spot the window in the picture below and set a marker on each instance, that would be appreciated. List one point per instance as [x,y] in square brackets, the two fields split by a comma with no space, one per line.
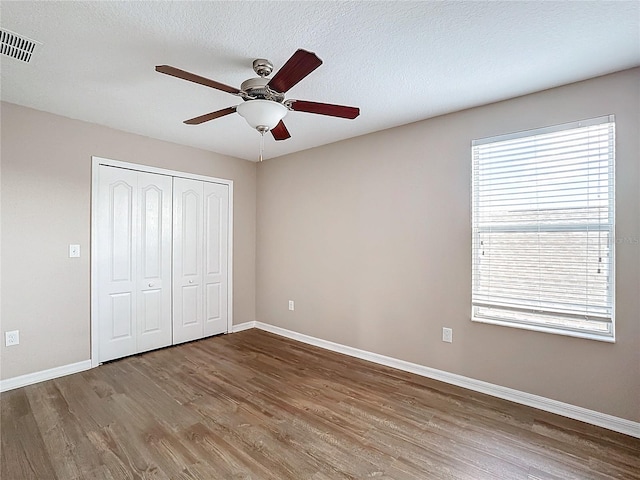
[543,226]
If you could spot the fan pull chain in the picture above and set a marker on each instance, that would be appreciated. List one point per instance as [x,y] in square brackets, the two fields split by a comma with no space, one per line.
[261,144]
[262,130]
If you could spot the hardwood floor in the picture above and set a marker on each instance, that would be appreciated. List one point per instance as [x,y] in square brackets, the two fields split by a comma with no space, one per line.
[253,405]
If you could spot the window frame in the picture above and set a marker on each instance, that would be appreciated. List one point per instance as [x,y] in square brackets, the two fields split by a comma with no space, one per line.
[608,336]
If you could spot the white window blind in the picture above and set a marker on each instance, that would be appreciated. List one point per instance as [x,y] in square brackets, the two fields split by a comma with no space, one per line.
[543,225]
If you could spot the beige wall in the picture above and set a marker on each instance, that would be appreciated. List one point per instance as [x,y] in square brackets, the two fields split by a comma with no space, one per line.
[371,237]
[46,194]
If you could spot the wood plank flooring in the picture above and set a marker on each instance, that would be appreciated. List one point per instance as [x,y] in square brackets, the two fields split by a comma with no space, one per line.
[253,405]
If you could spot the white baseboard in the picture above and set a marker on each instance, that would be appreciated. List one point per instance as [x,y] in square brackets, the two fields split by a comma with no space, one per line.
[243,326]
[50,374]
[604,420]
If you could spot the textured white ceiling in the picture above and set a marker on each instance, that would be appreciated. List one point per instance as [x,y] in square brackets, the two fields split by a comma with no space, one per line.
[399,61]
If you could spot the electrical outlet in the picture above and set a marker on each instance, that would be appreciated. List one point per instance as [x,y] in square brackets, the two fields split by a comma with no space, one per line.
[447,334]
[291,305]
[12,338]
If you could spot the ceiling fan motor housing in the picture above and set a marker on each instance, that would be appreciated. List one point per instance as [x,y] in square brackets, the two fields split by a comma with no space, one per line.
[256,88]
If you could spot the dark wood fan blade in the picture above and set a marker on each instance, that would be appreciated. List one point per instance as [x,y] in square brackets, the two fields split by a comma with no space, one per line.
[301,64]
[210,116]
[325,109]
[192,77]
[280,131]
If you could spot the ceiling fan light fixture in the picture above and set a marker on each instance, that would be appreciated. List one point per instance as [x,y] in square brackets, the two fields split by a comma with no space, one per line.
[263,115]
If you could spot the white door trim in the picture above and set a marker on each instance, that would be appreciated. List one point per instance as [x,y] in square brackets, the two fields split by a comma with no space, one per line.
[95,163]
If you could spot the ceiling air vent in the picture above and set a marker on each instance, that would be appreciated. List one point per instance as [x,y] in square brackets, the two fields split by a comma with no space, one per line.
[16,46]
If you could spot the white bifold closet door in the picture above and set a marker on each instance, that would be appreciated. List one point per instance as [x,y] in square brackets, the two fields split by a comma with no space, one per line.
[134,270]
[200,237]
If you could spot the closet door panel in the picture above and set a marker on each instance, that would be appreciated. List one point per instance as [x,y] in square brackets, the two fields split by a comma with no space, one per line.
[151,321]
[117,239]
[121,316]
[216,220]
[187,260]
[154,261]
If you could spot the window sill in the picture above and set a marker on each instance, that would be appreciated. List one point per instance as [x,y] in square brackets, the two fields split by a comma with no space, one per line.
[539,328]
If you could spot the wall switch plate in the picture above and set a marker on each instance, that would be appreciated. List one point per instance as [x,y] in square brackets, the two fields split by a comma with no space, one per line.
[447,334]
[12,338]
[291,305]
[74,251]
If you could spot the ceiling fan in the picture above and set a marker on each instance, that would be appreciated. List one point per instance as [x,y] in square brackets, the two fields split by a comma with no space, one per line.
[264,104]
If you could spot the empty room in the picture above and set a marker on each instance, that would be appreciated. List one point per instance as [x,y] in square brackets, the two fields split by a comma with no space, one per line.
[320,240]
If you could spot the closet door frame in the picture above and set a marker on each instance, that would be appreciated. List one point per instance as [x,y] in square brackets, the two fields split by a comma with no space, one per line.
[96,162]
